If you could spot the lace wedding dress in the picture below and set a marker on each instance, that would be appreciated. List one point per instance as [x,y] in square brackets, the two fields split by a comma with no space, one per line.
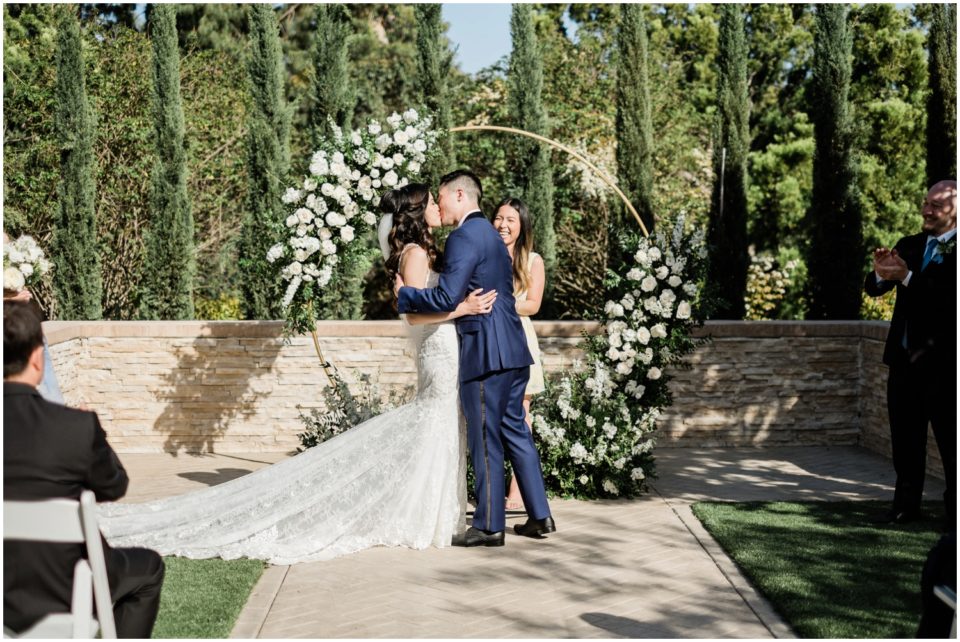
[398,479]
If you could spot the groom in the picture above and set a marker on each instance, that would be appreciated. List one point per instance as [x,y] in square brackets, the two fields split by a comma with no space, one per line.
[494,362]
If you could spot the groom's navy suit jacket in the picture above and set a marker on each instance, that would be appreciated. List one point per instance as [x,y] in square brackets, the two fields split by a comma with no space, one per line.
[476,257]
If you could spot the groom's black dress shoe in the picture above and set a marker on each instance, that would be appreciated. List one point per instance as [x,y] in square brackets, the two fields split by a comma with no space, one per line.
[536,527]
[477,537]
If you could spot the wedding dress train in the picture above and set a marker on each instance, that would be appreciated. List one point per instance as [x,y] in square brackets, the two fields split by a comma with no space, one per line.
[395,480]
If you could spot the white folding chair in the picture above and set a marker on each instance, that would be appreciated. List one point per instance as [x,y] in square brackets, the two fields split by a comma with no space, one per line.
[949,597]
[69,522]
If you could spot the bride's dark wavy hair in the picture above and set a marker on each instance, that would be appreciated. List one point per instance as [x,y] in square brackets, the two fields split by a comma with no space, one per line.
[408,204]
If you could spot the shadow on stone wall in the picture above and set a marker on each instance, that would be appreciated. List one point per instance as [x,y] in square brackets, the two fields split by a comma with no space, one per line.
[214,384]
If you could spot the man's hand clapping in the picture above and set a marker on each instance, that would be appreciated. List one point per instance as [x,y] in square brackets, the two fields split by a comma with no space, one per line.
[888,265]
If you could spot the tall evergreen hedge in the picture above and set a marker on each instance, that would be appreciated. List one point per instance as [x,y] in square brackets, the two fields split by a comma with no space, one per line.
[531,167]
[73,249]
[433,69]
[169,263]
[834,255]
[727,229]
[942,99]
[634,128]
[268,163]
[331,93]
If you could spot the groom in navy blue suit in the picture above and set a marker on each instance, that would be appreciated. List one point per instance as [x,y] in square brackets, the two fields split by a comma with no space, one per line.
[494,362]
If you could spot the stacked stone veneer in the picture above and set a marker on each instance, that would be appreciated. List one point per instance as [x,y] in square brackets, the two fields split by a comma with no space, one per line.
[199,386]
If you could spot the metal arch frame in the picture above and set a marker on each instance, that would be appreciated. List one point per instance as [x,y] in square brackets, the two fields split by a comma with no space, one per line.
[599,172]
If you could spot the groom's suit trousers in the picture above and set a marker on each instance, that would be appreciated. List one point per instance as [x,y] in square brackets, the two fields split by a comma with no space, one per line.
[497,431]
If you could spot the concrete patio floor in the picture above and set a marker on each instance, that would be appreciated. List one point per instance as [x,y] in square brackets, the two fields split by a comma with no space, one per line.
[641,568]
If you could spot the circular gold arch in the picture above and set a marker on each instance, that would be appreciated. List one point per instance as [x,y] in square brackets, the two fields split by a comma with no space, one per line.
[596,170]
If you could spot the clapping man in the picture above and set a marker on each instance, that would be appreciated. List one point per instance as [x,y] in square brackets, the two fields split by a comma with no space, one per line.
[52,451]
[921,351]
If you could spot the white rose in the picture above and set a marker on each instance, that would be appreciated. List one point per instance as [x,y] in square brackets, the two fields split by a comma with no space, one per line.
[420,145]
[373,128]
[637,474]
[648,284]
[674,281]
[309,184]
[683,310]
[369,218]
[327,189]
[295,268]
[387,163]
[410,115]
[610,487]
[390,179]
[304,215]
[27,269]
[274,253]
[301,230]
[584,479]
[398,158]
[400,137]
[292,195]
[325,234]
[328,248]
[346,233]
[292,220]
[654,254]
[413,167]
[654,373]
[624,368]
[614,340]
[356,139]
[643,335]
[690,289]
[319,167]
[667,297]
[394,120]
[658,331]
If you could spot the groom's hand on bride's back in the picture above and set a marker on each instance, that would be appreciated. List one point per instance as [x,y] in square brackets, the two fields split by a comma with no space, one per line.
[478,302]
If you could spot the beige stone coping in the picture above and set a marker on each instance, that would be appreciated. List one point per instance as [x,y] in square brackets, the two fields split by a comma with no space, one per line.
[62,331]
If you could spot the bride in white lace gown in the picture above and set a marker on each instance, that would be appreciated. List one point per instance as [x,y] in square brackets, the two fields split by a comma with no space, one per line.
[395,480]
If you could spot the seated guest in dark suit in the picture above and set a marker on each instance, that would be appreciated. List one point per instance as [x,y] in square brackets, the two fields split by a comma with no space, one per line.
[51,451]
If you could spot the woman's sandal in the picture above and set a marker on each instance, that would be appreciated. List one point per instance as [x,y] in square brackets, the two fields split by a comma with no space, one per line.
[513,504]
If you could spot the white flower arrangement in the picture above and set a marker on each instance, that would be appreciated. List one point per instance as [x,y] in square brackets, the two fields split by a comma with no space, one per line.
[595,421]
[336,204]
[24,264]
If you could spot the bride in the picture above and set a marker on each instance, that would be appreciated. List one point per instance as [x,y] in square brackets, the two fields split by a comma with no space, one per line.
[395,480]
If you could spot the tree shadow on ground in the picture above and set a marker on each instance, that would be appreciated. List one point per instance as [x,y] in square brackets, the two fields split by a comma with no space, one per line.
[217,380]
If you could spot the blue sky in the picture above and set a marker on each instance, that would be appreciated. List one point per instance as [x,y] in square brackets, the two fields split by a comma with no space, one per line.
[479,32]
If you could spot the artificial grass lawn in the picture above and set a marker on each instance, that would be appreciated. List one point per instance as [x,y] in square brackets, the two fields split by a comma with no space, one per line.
[824,567]
[202,598]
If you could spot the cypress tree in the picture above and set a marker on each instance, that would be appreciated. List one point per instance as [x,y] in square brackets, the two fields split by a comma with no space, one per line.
[169,264]
[433,67]
[634,128]
[835,257]
[331,92]
[77,280]
[268,161]
[942,99]
[531,167]
[727,230]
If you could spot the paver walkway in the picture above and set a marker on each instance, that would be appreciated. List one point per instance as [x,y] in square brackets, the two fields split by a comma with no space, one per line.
[640,568]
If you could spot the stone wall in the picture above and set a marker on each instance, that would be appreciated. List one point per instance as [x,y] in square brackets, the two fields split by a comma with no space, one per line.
[199,386]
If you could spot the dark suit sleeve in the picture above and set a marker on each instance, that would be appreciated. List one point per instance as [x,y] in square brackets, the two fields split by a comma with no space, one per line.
[106,478]
[460,261]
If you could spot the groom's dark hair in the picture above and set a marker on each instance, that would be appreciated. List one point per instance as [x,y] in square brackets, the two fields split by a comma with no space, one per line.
[466,180]
[22,334]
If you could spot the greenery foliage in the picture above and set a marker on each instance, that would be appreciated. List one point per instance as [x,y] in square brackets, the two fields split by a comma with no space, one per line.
[74,245]
[727,232]
[888,88]
[834,257]
[331,92]
[268,162]
[824,567]
[169,264]
[343,409]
